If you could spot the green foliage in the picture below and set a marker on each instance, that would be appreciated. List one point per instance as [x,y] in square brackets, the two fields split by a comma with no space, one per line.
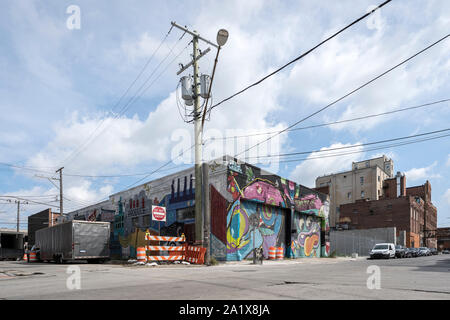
[213,261]
[332,255]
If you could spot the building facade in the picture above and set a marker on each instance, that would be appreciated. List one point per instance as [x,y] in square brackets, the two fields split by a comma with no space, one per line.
[408,209]
[443,238]
[364,181]
[250,208]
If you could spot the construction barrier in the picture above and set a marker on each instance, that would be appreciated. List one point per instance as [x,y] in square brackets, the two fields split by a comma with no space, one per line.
[163,238]
[280,254]
[140,254]
[33,257]
[195,255]
[176,253]
[25,257]
[272,253]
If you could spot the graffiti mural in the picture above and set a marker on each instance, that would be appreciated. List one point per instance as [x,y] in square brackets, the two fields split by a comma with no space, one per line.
[133,216]
[306,239]
[253,225]
[268,199]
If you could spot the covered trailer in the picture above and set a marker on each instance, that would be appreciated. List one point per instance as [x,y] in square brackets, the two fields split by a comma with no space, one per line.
[11,244]
[74,240]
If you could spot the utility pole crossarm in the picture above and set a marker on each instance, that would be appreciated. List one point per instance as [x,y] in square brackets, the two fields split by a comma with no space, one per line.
[192,62]
[194,34]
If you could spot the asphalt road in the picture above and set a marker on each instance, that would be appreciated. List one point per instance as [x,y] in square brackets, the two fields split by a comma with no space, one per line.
[340,278]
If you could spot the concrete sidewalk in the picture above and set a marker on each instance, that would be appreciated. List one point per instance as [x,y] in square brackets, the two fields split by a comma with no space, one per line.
[293,261]
[247,262]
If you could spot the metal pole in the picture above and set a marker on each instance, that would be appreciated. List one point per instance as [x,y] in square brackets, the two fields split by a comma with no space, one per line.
[198,148]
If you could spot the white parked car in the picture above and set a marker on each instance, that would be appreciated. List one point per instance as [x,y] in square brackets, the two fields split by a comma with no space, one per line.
[383,250]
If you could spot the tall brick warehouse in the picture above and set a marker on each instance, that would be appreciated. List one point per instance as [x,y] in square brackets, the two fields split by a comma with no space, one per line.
[407,209]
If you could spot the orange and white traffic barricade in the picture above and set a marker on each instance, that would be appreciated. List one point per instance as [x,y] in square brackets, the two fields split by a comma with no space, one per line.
[25,257]
[272,253]
[140,254]
[280,254]
[195,255]
[176,253]
[33,257]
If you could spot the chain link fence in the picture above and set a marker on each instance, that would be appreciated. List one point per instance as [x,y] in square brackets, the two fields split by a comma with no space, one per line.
[345,243]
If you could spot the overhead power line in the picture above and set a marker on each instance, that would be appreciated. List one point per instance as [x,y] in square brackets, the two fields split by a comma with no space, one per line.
[362,151]
[161,167]
[349,93]
[302,55]
[351,146]
[334,122]
[30,200]
[130,101]
[38,169]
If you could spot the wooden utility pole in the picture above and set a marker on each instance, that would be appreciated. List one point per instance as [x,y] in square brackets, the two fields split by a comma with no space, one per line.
[60,193]
[18,214]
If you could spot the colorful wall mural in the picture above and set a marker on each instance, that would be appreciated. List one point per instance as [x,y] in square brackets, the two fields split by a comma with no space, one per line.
[259,215]
[306,239]
[253,225]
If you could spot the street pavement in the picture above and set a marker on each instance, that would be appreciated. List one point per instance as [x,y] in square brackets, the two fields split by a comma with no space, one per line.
[326,278]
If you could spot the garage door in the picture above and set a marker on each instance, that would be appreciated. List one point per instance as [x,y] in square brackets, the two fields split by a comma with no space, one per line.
[305,239]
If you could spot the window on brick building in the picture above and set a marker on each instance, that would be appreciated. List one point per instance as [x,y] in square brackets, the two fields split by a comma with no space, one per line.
[362,194]
[361,179]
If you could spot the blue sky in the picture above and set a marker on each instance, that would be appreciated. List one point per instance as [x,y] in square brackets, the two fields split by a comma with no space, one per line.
[59,87]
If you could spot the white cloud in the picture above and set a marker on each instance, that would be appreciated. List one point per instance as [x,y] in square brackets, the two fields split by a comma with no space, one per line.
[306,172]
[447,196]
[424,173]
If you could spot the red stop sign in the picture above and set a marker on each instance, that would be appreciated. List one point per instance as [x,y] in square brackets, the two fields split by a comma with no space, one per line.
[158,213]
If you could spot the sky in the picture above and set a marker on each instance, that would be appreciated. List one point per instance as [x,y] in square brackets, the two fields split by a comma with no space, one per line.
[69,95]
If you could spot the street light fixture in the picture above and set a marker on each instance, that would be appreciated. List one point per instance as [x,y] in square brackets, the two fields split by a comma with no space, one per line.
[222,38]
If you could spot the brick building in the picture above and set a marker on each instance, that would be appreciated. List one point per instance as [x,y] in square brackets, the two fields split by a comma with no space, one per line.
[443,238]
[39,221]
[407,209]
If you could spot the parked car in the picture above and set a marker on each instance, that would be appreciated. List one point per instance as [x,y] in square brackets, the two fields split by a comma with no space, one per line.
[424,251]
[433,251]
[409,252]
[445,251]
[400,251]
[414,252]
[383,250]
